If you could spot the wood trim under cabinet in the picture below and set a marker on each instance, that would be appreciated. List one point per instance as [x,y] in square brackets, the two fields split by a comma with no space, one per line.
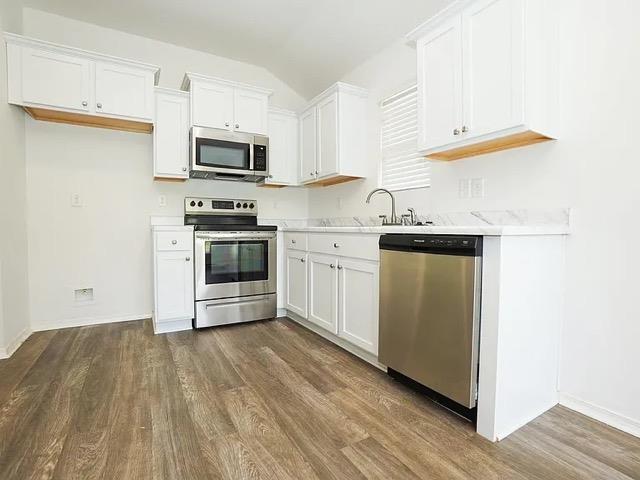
[89,120]
[326,182]
[503,143]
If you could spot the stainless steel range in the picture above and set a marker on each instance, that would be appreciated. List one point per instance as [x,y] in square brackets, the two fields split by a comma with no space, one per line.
[235,261]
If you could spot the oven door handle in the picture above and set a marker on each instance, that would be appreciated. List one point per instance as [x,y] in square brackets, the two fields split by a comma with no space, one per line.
[233,236]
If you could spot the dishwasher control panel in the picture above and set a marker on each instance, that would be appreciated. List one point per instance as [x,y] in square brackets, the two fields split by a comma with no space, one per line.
[454,244]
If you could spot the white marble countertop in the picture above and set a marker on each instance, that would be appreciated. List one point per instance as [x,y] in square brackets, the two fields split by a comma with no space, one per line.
[488,230]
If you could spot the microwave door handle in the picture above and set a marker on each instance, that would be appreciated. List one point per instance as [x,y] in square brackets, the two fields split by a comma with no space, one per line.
[251,147]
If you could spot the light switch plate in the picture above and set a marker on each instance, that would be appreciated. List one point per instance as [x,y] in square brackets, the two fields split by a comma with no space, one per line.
[162,200]
[477,187]
[464,188]
[76,200]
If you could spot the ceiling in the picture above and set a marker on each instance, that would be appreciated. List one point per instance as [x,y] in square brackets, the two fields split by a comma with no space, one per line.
[309,44]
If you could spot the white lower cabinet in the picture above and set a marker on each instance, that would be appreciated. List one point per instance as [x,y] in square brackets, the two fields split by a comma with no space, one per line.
[323,292]
[358,303]
[173,280]
[341,292]
[296,286]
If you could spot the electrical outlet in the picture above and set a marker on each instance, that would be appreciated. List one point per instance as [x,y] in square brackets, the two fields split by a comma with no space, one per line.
[83,295]
[477,187]
[76,200]
[464,188]
[162,200]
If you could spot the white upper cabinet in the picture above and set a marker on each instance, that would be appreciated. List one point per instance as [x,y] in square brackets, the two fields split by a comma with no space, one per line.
[440,92]
[308,142]
[219,103]
[171,134]
[283,147]
[124,91]
[212,105]
[67,83]
[487,77]
[332,136]
[54,82]
[251,111]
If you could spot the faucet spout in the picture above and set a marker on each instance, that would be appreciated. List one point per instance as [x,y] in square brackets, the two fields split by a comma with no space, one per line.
[394,217]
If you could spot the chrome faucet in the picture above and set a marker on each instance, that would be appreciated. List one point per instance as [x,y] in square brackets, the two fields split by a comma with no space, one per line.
[394,217]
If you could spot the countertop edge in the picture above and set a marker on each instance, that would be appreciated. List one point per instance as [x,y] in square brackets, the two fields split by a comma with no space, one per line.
[489,230]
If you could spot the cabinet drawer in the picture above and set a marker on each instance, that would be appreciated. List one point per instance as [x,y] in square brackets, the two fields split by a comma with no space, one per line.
[355,246]
[166,241]
[296,240]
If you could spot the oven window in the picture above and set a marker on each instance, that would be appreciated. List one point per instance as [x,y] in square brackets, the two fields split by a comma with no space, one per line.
[222,154]
[236,261]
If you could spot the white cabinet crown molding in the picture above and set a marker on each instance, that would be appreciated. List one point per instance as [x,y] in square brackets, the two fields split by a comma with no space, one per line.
[421,30]
[20,40]
[190,76]
[337,87]
[172,91]
[283,111]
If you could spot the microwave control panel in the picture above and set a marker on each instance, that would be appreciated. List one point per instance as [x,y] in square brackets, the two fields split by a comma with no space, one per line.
[260,158]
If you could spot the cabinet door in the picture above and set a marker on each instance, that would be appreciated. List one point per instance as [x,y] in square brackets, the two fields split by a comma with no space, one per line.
[358,303]
[251,110]
[174,286]
[212,105]
[493,66]
[323,292]
[296,288]
[124,91]
[171,136]
[283,145]
[440,85]
[308,145]
[55,80]
[328,136]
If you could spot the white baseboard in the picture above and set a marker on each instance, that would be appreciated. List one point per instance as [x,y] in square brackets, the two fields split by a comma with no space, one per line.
[173,326]
[6,352]
[83,322]
[615,420]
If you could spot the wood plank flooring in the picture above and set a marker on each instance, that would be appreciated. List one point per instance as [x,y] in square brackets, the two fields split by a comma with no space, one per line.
[267,400]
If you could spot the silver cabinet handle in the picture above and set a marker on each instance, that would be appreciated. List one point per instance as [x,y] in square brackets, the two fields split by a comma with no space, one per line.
[302,260]
[184,169]
[173,242]
[270,176]
[237,125]
[293,241]
[99,105]
[335,245]
[332,265]
[339,267]
[456,131]
[311,174]
[84,104]
[226,124]
[465,129]
[316,172]
[188,259]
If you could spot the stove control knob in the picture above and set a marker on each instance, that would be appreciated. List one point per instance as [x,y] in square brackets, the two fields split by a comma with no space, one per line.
[244,205]
[238,205]
[193,204]
[200,203]
[251,205]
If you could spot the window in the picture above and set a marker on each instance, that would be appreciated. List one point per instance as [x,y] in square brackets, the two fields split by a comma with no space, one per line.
[402,167]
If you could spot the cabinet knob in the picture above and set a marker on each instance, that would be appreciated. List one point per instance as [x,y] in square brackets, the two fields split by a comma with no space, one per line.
[339,267]
[302,260]
[99,105]
[456,131]
[237,125]
[331,265]
[465,129]
[293,241]
[335,245]
[184,169]
[270,176]
[316,172]
[85,103]
[188,259]
[174,242]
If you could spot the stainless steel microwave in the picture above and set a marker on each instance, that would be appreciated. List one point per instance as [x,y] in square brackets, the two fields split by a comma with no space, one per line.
[223,155]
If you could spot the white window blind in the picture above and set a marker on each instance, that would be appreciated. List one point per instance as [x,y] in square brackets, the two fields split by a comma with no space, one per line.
[402,167]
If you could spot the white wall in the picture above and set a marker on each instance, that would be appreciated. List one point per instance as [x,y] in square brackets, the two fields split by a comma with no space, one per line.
[593,168]
[13,236]
[105,244]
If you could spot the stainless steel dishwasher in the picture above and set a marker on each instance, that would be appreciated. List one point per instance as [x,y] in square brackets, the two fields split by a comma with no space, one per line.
[430,314]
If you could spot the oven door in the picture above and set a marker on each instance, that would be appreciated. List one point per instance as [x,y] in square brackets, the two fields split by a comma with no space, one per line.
[234,264]
[219,151]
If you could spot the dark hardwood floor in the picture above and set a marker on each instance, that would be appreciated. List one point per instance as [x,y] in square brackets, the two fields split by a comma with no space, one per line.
[267,400]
